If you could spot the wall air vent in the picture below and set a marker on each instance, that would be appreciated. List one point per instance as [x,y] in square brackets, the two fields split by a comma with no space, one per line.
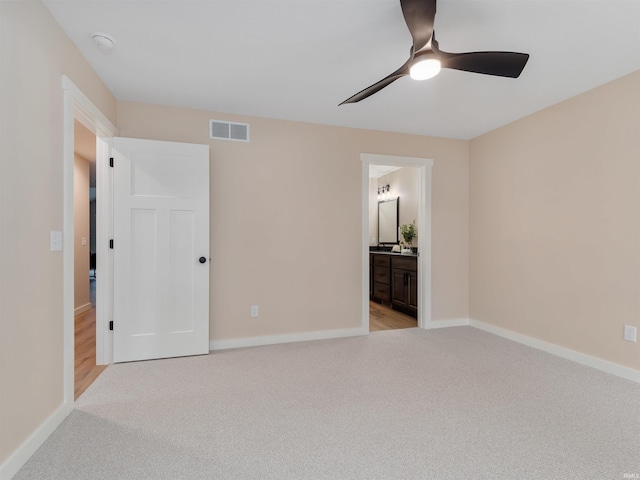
[229,131]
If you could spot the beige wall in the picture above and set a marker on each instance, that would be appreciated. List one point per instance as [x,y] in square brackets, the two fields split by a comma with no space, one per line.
[555,224]
[34,53]
[81,297]
[285,218]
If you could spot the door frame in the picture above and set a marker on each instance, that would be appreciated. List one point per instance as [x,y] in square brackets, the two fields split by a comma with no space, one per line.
[424,166]
[77,106]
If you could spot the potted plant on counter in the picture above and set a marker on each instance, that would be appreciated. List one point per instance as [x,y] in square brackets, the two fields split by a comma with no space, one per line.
[408,232]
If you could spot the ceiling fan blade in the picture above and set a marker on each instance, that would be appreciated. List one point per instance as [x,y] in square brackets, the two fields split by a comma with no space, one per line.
[501,64]
[419,15]
[376,87]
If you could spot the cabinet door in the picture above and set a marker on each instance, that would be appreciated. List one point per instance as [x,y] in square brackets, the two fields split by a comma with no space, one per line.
[370,275]
[399,288]
[404,291]
[412,290]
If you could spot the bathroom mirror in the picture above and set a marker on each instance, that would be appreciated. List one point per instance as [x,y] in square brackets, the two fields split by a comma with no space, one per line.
[388,221]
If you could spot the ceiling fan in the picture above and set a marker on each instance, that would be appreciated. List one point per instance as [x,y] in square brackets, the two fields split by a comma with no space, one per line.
[426,59]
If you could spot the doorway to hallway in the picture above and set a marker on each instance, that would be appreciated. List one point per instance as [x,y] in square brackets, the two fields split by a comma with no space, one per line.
[86,369]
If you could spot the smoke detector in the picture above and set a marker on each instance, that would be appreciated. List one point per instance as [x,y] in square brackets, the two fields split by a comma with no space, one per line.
[103,41]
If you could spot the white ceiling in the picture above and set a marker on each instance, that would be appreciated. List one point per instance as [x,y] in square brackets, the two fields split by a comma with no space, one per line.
[298,59]
[376,171]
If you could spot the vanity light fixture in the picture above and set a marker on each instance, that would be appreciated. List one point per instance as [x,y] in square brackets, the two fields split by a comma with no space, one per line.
[383,193]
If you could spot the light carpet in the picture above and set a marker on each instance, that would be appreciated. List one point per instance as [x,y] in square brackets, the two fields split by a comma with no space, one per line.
[455,403]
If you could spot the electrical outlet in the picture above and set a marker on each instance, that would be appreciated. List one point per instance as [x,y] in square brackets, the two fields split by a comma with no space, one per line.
[254,310]
[630,333]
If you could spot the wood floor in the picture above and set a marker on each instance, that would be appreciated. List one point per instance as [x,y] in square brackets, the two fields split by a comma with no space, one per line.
[385,318]
[86,370]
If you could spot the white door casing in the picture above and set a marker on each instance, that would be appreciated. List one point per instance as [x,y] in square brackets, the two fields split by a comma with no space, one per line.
[161,236]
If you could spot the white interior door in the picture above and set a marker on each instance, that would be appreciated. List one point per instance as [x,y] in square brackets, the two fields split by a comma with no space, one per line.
[161,249]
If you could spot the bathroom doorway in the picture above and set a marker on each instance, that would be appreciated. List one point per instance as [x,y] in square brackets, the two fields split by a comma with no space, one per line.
[396,290]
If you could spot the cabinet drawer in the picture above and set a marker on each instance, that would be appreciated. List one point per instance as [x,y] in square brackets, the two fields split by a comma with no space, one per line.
[381,260]
[405,263]
[381,274]
[382,291]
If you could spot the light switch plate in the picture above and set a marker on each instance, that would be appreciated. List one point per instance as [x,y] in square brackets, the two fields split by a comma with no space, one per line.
[56,241]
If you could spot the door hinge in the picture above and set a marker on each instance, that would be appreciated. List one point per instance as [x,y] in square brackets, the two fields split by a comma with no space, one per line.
[111,325]
[111,244]
[111,162]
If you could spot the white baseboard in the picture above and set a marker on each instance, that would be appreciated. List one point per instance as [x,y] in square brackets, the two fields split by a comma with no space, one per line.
[82,308]
[455,322]
[285,338]
[584,359]
[18,458]
[319,335]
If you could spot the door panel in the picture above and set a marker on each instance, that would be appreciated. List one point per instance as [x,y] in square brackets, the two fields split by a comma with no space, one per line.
[399,288]
[412,290]
[182,272]
[161,229]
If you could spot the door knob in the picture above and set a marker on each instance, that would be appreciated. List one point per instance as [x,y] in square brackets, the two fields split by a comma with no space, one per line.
[202,260]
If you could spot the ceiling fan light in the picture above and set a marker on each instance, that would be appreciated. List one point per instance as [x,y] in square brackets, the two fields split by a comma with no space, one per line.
[424,69]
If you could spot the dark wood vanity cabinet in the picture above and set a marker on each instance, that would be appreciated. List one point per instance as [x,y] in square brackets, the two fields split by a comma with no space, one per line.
[404,284]
[394,280]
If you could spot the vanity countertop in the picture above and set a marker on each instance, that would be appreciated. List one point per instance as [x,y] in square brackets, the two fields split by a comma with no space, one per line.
[397,254]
